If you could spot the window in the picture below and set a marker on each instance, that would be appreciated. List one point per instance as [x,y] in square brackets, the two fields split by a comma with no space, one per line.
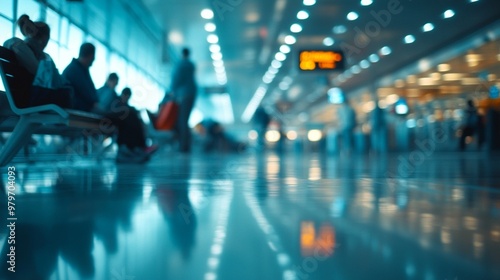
[6,9]
[75,39]
[53,22]
[99,70]
[29,7]
[7,26]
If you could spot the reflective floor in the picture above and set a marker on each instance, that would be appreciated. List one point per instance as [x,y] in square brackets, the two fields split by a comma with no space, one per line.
[249,216]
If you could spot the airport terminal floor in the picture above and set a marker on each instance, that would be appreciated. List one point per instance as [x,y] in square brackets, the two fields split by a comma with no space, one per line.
[257,216]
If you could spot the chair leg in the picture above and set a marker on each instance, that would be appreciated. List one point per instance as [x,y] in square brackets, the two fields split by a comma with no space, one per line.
[17,140]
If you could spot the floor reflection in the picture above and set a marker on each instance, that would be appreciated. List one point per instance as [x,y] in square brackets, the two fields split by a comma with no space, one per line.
[257,217]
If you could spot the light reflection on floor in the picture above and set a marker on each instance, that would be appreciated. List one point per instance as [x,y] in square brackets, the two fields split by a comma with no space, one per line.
[257,217]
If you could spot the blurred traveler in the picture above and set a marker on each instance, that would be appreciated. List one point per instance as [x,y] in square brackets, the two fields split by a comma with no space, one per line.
[107,94]
[184,92]
[47,86]
[470,124]
[78,74]
[261,120]
[347,119]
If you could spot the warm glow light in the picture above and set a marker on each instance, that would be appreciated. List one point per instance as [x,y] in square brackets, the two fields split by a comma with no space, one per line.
[443,67]
[291,135]
[273,136]
[253,135]
[314,135]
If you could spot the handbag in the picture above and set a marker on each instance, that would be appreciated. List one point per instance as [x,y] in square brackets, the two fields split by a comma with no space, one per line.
[167,116]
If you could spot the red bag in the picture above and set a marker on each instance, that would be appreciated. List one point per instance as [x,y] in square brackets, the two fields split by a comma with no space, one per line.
[168,116]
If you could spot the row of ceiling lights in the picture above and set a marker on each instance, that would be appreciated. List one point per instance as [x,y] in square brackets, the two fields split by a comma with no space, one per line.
[215,49]
[276,64]
[384,51]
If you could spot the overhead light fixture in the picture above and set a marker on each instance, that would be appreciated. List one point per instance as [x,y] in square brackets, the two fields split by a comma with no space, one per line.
[296,28]
[355,69]
[366,2]
[385,51]
[290,40]
[210,27]
[339,29]
[216,56]
[448,14]
[428,27]
[328,41]
[352,16]
[374,58]
[450,77]
[409,39]
[213,39]
[443,67]
[309,2]
[214,48]
[472,1]
[364,64]
[285,49]
[280,56]
[276,64]
[207,14]
[302,15]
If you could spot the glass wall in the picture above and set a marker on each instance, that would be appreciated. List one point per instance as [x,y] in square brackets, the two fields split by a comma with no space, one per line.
[122,45]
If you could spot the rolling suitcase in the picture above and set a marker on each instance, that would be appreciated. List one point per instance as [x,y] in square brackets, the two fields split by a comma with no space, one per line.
[167,116]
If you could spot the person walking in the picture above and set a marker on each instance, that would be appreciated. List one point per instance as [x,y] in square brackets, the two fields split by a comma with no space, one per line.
[184,92]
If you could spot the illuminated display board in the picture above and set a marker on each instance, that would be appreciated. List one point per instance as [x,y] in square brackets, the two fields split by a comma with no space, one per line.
[313,60]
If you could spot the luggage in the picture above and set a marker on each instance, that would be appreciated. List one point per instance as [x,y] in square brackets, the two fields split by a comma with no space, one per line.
[167,117]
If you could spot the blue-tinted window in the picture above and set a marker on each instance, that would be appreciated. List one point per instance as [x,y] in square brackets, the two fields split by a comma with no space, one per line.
[6,27]
[6,8]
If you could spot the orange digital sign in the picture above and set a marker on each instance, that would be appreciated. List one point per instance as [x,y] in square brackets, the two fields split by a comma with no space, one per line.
[311,60]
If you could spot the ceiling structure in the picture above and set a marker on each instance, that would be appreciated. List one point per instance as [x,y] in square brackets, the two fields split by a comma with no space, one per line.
[384,37]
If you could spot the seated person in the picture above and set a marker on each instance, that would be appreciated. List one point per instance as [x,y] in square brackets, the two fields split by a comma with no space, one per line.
[215,139]
[107,94]
[78,74]
[47,86]
[131,131]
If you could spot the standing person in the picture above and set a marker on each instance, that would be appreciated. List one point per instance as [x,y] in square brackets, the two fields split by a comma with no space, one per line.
[107,94]
[43,83]
[379,130]
[347,118]
[469,127]
[261,120]
[78,74]
[184,92]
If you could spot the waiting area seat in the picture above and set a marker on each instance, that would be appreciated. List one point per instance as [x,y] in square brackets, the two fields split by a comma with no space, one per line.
[25,121]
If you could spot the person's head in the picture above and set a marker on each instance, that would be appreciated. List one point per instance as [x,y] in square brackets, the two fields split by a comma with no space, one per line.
[112,80]
[185,53]
[38,32]
[126,94]
[86,56]
[470,103]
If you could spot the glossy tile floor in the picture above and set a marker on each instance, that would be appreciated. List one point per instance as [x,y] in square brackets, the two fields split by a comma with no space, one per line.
[296,216]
